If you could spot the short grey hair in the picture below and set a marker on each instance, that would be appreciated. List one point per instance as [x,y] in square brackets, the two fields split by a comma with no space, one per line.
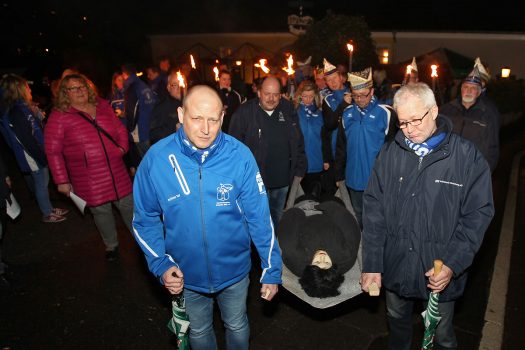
[420,90]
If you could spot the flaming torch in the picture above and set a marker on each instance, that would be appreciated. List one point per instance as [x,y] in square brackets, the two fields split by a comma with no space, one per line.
[192,62]
[216,72]
[434,76]
[262,65]
[182,84]
[350,48]
[290,71]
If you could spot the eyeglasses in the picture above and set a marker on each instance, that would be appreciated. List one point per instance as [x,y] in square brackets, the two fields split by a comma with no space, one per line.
[76,88]
[358,97]
[173,85]
[413,122]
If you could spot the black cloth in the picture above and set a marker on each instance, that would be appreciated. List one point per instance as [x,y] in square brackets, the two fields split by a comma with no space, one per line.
[4,189]
[164,119]
[231,100]
[331,121]
[278,157]
[334,230]
[479,124]
[417,209]
[248,126]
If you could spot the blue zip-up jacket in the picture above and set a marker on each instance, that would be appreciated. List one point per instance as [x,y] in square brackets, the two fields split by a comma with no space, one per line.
[361,135]
[202,213]
[139,101]
[311,123]
[22,131]
[333,107]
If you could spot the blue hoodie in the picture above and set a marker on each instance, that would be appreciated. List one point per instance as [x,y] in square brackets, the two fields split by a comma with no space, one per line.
[200,210]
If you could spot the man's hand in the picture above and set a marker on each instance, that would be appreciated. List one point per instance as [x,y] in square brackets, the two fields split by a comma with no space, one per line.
[438,283]
[64,189]
[173,280]
[268,291]
[367,278]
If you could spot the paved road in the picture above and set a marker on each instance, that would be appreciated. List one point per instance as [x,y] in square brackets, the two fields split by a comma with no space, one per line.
[68,297]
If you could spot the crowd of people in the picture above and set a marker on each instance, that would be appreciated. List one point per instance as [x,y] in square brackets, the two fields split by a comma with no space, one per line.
[199,178]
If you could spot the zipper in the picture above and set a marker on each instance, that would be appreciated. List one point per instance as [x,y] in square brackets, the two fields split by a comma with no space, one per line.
[420,162]
[400,183]
[204,240]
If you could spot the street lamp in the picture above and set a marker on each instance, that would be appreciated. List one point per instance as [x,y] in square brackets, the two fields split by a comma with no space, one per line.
[505,72]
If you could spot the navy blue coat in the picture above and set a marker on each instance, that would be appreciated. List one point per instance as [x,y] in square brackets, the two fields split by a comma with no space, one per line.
[420,209]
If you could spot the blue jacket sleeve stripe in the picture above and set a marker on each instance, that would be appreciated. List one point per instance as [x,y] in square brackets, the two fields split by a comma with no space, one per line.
[270,251]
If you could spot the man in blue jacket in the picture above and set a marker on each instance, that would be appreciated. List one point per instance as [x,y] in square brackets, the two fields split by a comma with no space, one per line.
[429,197]
[199,203]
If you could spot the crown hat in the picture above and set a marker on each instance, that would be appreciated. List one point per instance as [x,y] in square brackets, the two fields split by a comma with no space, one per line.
[474,77]
[361,80]
[414,65]
[328,67]
[305,63]
[483,72]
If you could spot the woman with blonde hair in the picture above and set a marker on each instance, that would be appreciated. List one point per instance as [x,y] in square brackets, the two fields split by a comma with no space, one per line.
[21,126]
[307,103]
[85,145]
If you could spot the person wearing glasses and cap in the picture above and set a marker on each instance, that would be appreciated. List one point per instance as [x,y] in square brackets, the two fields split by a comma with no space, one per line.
[474,119]
[429,197]
[362,131]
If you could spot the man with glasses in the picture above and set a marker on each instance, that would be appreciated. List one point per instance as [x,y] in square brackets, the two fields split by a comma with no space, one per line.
[474,118]
[361,135]
[429,197]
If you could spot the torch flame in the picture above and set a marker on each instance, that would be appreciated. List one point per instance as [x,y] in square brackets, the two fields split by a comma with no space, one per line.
[434,71]
[180,78]
[262,65]
[350,47]
[289,70]
[216,71]
[192,62]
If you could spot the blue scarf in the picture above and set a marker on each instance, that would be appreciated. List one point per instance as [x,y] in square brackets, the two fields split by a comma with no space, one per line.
[422,149]
[199,154]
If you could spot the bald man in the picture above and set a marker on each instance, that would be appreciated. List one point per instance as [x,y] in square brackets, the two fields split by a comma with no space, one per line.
[200,202]
[269,126]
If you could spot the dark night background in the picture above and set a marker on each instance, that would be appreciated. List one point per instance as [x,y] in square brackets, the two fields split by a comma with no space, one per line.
[44,37]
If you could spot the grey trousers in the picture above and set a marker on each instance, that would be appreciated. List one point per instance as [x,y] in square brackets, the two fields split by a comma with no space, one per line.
[105,221]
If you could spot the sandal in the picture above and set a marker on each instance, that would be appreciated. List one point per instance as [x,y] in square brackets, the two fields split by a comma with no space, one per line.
[60,212]
[53,218]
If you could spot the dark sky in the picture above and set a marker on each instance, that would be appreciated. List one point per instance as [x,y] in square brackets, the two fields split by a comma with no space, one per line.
[59,31]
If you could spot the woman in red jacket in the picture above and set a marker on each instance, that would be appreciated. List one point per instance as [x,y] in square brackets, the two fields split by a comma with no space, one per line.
[85,144]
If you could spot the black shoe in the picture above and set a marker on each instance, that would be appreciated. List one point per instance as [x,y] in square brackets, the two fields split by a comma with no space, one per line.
[4,282]
[112,255]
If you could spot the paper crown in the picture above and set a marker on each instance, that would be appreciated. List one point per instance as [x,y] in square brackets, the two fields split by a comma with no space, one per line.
[328,67]
[474,77]
[483,72]
[414,65]
[305,63]
[361,80]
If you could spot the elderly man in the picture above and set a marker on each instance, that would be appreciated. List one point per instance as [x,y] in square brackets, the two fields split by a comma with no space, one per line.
[199,203]
[474,119]
[269,126]
[164,118]
[429,197]
[363,128]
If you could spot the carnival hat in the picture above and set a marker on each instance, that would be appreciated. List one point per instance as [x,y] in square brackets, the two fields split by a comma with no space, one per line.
[474,77]
[483,72]
[328,67]
[414,65]
[361,80]
[305,63]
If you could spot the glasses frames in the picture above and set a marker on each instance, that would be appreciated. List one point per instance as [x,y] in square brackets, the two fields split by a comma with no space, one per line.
[413,122]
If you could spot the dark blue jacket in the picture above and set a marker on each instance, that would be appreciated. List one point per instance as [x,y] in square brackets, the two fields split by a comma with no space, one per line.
[139,101]
[311,121]
[417,209]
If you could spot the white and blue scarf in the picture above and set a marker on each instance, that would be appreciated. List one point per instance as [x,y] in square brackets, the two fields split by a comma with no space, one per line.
[422,149]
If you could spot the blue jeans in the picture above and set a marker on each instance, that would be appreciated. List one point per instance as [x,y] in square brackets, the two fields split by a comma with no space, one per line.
[277,199]
[232,304]
[399,312]
[41,182]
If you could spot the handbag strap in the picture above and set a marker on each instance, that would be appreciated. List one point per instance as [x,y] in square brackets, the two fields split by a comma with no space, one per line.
[99,128]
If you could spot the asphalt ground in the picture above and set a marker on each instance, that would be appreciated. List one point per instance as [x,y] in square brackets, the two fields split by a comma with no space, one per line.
[65,295]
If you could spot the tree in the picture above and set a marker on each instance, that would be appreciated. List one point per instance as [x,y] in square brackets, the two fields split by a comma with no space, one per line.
[328,37]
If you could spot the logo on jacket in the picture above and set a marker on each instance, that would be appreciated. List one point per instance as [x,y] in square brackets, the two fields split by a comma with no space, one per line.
[223,194]
[281,116]
[260,183]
